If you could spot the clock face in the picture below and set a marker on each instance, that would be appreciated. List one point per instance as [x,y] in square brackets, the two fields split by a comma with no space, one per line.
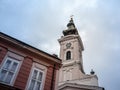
[68,45]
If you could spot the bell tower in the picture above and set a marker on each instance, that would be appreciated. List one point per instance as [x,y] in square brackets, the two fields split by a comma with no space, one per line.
[71,48]
[71,74]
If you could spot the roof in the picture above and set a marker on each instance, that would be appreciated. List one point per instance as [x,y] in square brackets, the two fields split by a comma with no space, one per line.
[27,46]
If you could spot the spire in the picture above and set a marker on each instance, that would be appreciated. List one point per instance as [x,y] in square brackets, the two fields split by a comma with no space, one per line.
[92,72]
[71,23]
[71,28]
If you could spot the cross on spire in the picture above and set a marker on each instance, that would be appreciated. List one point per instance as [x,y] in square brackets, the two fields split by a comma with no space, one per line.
[71,16]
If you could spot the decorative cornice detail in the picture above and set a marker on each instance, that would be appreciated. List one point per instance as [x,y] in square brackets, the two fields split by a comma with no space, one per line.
[71,63]
[79,86]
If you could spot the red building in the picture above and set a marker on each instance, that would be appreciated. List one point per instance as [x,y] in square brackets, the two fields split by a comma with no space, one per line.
[23,67]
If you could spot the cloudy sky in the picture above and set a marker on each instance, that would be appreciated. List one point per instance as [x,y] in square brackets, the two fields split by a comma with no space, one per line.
[41,22]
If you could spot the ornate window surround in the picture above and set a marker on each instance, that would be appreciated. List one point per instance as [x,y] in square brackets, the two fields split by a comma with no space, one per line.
[40,68]
[13,57]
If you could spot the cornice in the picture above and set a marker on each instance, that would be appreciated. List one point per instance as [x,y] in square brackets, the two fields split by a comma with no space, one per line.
[18,43]
[79,86]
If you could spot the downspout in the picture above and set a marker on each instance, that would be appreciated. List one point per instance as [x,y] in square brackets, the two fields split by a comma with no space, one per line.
[52,81]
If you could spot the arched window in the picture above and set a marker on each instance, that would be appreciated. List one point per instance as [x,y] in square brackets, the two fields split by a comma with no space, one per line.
[68,55]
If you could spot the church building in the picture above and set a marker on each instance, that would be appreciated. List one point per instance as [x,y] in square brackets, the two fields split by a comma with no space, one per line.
[71,74]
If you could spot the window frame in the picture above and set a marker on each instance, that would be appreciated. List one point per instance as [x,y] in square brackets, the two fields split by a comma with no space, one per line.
[8,70]
[36,79]
[16,58]
[68,55]
[41,68]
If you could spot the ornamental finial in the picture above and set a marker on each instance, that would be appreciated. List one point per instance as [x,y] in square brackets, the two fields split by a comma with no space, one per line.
[71,16]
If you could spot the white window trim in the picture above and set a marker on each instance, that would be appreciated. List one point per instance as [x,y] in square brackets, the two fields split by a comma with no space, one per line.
[13,60]
[42,69]
[16,58]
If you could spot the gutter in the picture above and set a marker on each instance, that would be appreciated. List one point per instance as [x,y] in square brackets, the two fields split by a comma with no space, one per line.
[52,81]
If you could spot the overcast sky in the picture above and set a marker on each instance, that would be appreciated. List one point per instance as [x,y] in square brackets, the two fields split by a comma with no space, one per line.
[41,22]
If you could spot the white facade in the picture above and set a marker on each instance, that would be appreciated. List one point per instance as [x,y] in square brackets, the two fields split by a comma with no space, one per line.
[72,71]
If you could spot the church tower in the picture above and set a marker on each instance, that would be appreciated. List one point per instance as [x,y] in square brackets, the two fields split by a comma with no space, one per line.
[71,48]
[72,71]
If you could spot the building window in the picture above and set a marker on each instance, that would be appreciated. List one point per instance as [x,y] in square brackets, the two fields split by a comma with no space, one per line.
[8,70]
[68,55]
[36,80]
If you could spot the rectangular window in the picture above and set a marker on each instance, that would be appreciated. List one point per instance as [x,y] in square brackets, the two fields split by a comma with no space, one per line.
[8,70]
[36,80]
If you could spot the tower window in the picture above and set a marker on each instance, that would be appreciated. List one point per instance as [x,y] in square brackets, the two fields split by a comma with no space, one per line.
[68,55]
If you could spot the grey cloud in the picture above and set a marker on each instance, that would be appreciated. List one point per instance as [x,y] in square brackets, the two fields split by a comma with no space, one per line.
[40,23]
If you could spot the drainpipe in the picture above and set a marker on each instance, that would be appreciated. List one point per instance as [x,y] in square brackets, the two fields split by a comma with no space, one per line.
[52,81]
